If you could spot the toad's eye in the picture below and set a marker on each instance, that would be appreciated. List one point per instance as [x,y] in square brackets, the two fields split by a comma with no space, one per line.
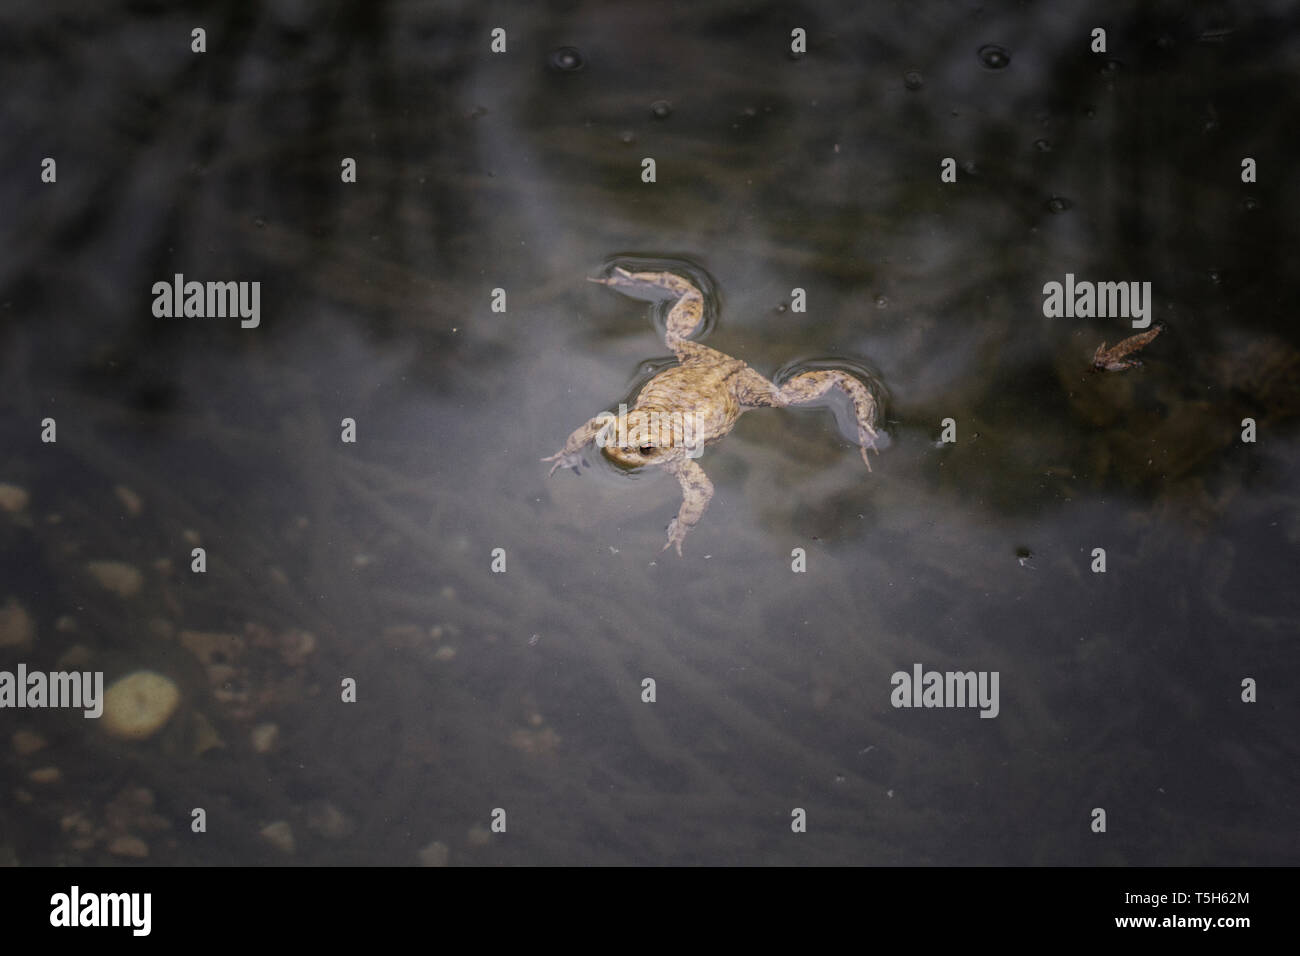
[647,450]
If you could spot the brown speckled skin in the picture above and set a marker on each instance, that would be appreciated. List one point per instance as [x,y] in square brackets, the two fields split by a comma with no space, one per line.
[1112,359]
[708,387]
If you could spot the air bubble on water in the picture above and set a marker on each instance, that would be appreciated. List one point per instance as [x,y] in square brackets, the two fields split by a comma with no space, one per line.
[1058,204]
[994,57]
[882,302]
[627,138]
[566,59]
[1250,204]
[913,80]
[1043,145]
[661,109]
[259,222]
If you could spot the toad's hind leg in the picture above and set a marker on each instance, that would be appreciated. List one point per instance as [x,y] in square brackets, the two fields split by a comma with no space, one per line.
[697,491]
[755,391]
[686,313]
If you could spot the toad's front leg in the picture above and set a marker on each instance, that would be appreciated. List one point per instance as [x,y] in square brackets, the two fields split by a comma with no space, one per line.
[697,490]
[570,456]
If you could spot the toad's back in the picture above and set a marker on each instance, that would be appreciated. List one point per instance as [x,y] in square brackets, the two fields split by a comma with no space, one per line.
[702,389]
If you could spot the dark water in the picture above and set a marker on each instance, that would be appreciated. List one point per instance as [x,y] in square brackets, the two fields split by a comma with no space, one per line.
[521,171]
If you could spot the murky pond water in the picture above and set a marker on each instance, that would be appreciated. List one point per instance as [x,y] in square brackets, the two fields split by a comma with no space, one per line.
[440,302]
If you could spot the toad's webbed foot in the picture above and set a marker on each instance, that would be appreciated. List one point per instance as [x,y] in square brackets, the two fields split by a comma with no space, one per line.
[570,456]
[562,459]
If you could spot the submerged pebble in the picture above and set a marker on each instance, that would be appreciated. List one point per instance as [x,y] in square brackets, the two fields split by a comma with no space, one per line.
[119,577]
[139,704]
[129,846]
[279,834]
[435,854]
[27,742]
[16,626]
[264,737]
[13,499]
[131,501]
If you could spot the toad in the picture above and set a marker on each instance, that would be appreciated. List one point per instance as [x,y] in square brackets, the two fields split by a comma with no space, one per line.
[1113,359]
[696,402]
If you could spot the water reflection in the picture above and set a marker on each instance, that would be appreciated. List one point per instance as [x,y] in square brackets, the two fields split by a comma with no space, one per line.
[523,689]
